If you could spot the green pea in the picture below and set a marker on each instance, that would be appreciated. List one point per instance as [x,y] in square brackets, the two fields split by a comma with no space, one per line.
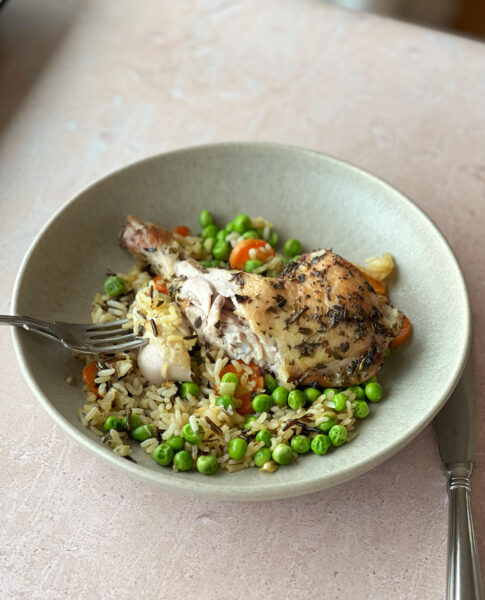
[358,391]
[208,243]
[226,402]
[250,265]
[176,442]
[114,286]
[121,426]
[210,231]
[327,425]
[207,464]
[221,235]
[262,457]
[242,223]
[206,263]
[338,435]
[270,383]
[312,394]
[326,392]
[229,227]
[300,444]
[221,250]
[387,353]
[228,392]
[163,454]
[262,403]
[340,401]
[296,399]
[189,388]
[237,448]
[264,436]
[143,432]
[111,423]
[135,421]
[248,421]
[282,454]
[292,248]
[373,391]
[361,409]
[251,234]
[230,378]
[273,239]
[320,444]
[280,395]
[191,436]
[183,461]
[205,218]
[215,263]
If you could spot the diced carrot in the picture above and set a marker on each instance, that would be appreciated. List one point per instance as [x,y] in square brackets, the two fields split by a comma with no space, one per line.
[182,230]
[240,253]
[230,368]
[256,376]
[246,406]
[241,393]
[403,335]
[379,286]
[89,375]
[160,285]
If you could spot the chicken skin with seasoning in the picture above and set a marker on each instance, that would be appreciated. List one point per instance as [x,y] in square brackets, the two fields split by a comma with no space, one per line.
[318,323]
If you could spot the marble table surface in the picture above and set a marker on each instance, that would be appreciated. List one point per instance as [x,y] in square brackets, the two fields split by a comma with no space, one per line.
[87,87]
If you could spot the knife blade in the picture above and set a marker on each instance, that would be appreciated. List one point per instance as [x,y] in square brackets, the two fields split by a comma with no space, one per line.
[454,424]
[456,441]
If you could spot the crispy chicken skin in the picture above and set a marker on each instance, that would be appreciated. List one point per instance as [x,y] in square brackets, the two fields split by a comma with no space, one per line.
[318,323]
[144,239]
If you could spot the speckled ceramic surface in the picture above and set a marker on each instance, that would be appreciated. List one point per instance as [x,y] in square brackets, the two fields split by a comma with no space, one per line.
[322,201]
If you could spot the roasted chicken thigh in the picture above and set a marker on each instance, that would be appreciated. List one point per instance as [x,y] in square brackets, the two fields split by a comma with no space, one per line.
[320,322]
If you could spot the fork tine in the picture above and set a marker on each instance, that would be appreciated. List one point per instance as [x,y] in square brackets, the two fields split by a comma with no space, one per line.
[120,347]
[101,333]
[112,340]
[104,326]
[124,339]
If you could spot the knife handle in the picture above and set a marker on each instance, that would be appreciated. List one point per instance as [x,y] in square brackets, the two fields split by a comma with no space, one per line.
[464,581]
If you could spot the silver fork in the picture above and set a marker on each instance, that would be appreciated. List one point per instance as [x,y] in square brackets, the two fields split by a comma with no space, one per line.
[87,339]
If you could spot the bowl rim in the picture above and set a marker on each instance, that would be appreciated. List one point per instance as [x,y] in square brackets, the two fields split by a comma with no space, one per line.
[211,489]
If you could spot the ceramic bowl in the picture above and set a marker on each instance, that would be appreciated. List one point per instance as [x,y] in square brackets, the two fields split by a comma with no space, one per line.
[320,200]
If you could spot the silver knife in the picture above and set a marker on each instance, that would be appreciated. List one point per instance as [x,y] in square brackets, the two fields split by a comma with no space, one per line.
[456,440]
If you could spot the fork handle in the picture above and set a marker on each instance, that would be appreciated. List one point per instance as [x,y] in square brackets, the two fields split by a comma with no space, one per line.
[464,581]
[28,323]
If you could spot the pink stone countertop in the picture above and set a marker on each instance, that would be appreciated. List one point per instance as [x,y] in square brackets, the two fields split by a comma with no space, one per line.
[89,86]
